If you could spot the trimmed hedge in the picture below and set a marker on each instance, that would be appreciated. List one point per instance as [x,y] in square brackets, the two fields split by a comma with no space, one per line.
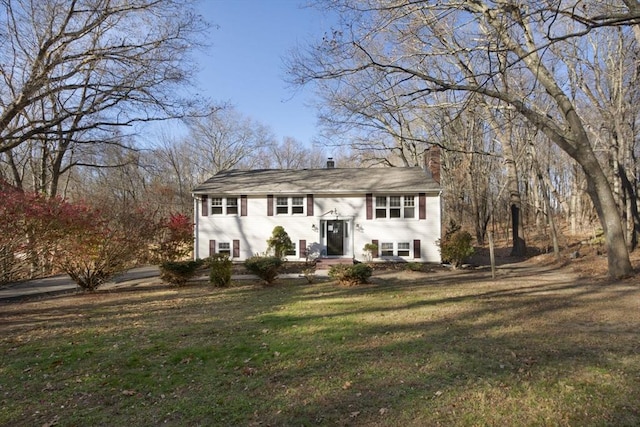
[178,272]
[457,248]
[220,271]
[265,267]
[350,275]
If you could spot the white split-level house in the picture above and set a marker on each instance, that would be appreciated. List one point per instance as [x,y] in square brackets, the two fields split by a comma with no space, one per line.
[328,213]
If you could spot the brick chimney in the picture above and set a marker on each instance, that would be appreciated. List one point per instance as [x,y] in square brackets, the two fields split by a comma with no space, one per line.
[432,162]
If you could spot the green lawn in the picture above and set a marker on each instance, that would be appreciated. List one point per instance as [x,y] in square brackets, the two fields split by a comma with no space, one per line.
[534,347]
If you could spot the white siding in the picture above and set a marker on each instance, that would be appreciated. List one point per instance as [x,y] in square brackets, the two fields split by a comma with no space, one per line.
[254,229]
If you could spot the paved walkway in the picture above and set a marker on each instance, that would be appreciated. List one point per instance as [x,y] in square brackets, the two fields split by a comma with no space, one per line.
[62,283]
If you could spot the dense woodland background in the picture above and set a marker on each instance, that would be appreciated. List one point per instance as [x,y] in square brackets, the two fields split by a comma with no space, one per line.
[530,107]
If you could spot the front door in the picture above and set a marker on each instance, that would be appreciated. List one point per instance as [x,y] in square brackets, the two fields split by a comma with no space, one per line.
[335,237]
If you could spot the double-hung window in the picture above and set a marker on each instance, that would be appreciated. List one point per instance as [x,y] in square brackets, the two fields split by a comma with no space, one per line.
[217,205]
[297,205]
[399,249]
[395,207]
[224,248]
[282,205]
[289,205]
[232,206]
[381,207]
[409,207]
[386,249]
[224,206]
[404,248]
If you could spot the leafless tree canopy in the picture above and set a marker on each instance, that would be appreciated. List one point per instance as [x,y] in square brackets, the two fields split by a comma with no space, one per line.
[408,59]
[74,72]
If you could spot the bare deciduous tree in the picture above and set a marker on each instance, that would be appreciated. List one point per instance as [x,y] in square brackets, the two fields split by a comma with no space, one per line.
[73,72]
[425,45]
[291,154]
[226,139]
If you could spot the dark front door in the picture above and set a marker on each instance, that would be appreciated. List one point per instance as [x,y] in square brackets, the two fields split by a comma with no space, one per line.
[335,237]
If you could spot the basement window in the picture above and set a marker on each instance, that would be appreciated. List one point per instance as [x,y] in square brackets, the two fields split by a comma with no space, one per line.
[224,248]
[404,248]
[386,249]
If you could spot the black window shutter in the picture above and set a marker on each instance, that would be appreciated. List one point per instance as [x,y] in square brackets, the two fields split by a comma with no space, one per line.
[212,247]
[309,204]
[375,253]
[302,245]
[270,205]
[205,205]
[422,206]
[416,249]
[243,205]
[369,206]
[236,248]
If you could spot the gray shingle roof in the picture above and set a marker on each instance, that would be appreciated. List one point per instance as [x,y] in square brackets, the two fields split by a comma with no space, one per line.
[337,180]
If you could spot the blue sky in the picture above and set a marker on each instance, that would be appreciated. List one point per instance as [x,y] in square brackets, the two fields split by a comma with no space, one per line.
[244,62]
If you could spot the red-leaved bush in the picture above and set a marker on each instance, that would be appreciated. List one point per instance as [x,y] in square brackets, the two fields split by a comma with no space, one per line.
[29,223]
[40,235]
[175,238]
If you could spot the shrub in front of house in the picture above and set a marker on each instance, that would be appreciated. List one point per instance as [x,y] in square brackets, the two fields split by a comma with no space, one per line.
[279,243]
[370,249]
[220,269]
[265,267]
[179,272]
[456,248]
[350,275]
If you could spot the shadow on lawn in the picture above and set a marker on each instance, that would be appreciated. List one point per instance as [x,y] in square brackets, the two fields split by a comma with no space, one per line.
[535,344]
[534,351]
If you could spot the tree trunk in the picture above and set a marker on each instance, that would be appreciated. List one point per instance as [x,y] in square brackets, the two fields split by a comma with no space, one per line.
[544,190]
[519,247]
[602,197]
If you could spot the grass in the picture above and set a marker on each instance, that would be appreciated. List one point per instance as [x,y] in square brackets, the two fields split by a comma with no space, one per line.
[533,347]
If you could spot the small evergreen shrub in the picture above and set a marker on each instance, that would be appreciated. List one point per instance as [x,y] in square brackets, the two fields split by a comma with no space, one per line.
[178,272]
[370,249]
[350,275]
[265,267]
[220,269]
[457,248]
[279,242]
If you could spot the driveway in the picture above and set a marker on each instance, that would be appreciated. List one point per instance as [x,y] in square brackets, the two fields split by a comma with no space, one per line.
[63,284]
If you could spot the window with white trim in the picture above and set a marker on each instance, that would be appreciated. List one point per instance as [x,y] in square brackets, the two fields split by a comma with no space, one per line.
[395,206]
[282,205]
[290,205]
[404,248]
[398,249]
[381,207]
[297,205]
[224,206]
[216,205]
[386,249]
[409,207]
[224,248]
[232,206]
